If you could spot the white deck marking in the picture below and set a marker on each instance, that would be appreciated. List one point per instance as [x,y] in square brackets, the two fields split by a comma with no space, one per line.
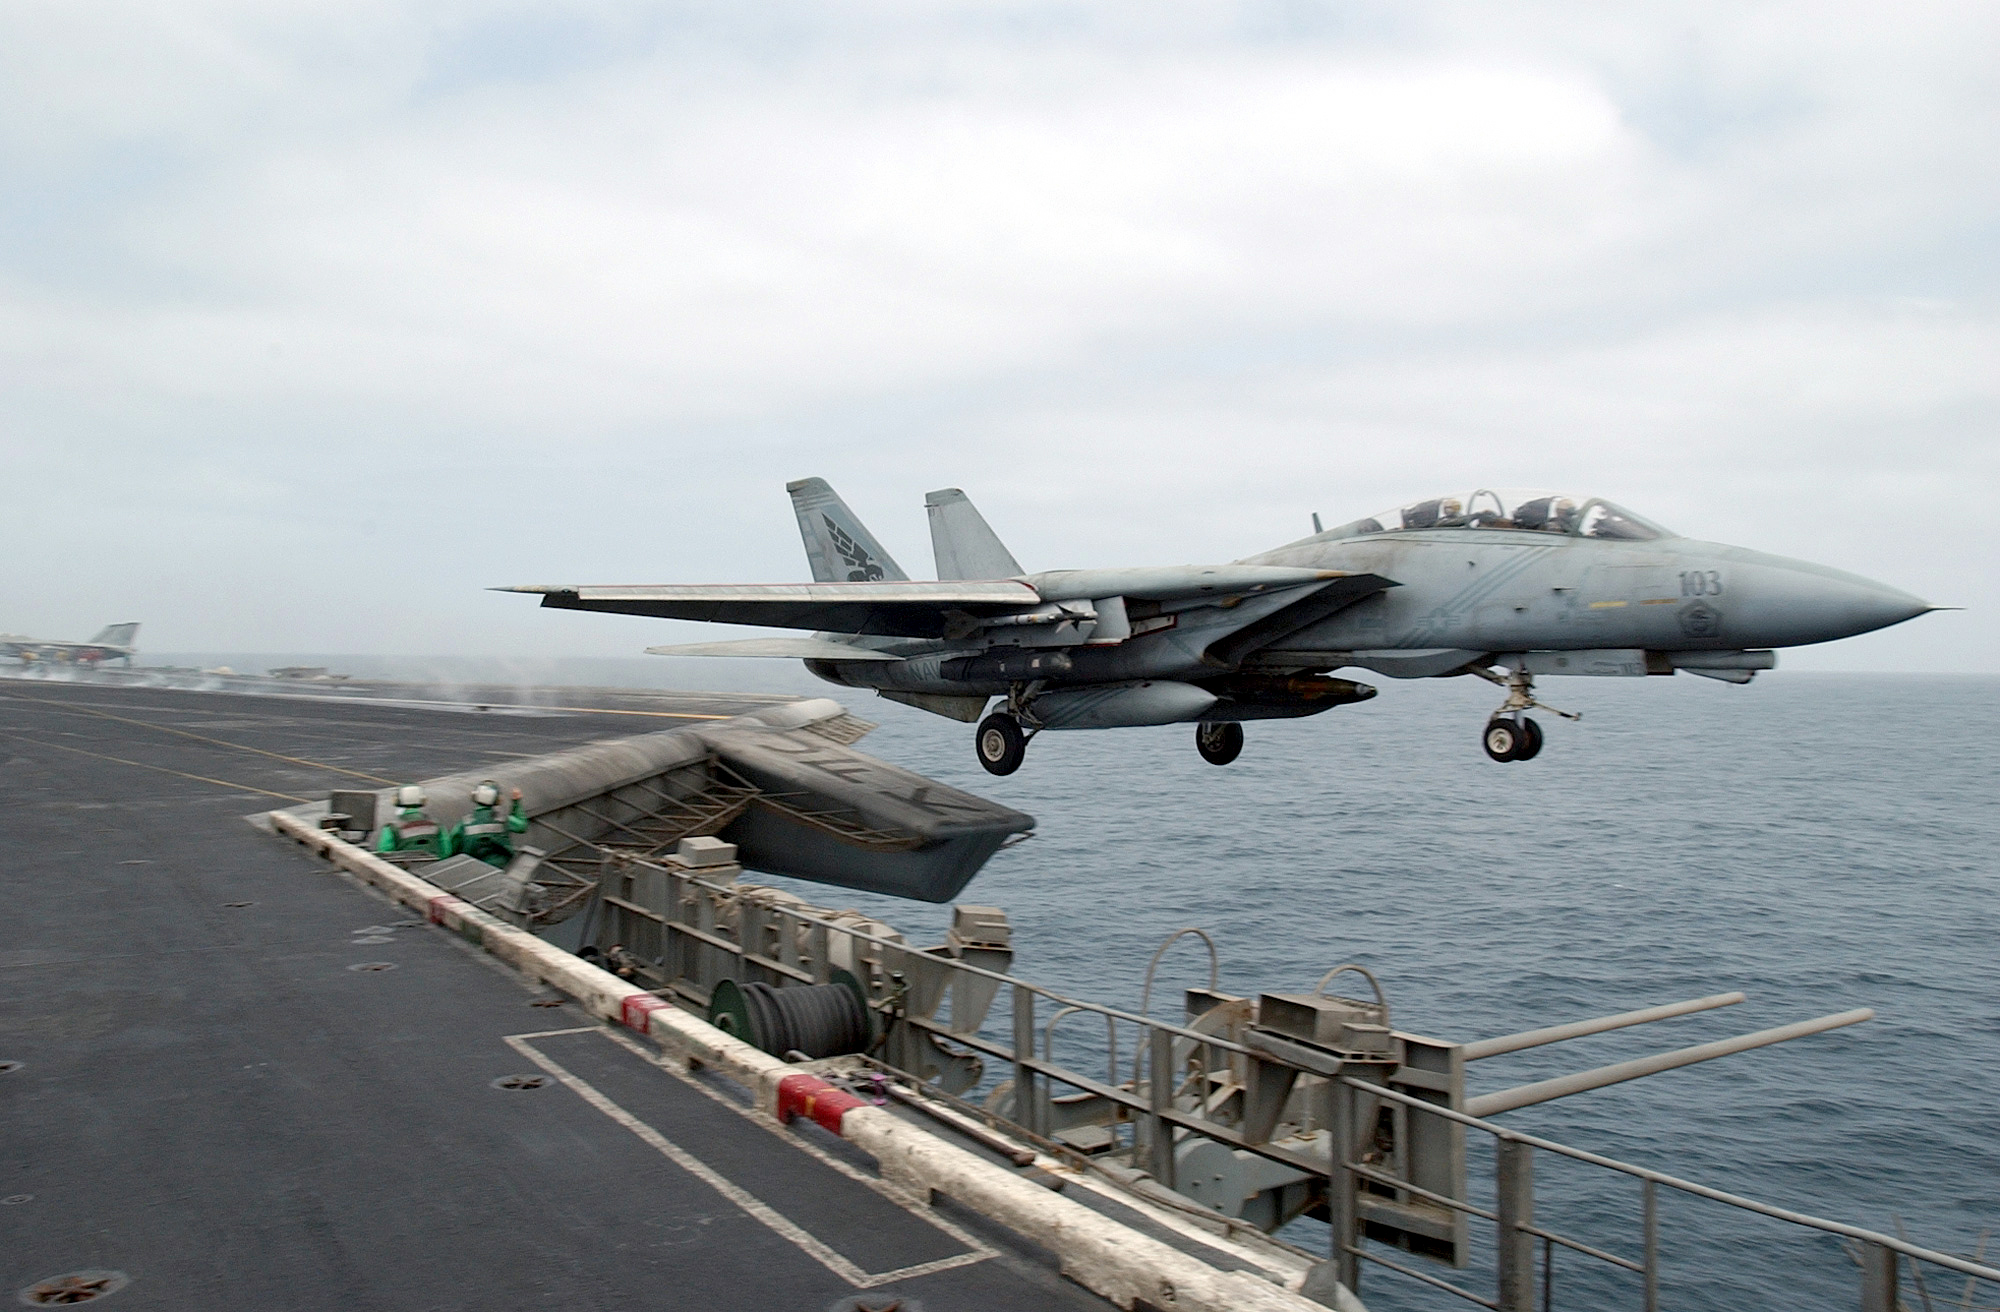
[913,1205]
[751,1205]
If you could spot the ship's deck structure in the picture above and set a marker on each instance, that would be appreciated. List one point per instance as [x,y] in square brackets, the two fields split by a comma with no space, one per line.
[244,1082]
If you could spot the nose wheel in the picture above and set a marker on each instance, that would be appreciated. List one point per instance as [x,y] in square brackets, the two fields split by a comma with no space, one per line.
[1515,739]
[1000,743]
[1510,735]
[1219,743]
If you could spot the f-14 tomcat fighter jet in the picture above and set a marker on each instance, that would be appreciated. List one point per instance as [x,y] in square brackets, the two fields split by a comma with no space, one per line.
[1502,585]
[113,642]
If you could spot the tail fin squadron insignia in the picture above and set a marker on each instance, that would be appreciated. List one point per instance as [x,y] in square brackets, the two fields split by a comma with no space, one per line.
[838,546]
[862,567]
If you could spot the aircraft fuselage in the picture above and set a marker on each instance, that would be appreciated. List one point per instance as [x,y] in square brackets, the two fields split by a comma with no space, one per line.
[1463,594]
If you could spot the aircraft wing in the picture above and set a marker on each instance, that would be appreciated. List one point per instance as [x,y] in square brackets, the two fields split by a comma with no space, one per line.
[1273,629]
[903,608]
[810,649]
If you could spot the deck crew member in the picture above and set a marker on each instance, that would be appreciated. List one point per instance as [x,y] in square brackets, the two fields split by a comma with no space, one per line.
[412,830]
[484,834]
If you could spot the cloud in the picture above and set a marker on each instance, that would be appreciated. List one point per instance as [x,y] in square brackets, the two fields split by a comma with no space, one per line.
[584,283]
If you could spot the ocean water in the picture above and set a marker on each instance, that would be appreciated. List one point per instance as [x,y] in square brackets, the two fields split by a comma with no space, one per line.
[1818,841]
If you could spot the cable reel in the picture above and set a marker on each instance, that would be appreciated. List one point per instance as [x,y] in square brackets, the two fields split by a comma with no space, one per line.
[819,1020]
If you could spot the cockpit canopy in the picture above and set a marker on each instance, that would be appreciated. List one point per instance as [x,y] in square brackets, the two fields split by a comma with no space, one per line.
[1511,509]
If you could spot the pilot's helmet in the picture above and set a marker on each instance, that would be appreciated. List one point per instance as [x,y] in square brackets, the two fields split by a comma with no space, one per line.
[1563,512]
[487,793]
[1450,508]
[409,795]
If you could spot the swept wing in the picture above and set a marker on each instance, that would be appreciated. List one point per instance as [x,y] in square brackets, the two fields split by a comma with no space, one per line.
[912,608]
[898,608]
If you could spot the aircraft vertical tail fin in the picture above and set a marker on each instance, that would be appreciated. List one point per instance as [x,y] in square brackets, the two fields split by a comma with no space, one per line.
[840,549]
[965,547]
[116,635]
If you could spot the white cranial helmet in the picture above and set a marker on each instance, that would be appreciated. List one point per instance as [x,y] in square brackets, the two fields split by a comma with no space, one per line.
[409,795]
[487,793]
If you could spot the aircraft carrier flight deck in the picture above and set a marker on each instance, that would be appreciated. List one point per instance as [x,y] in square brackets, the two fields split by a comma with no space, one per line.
[243,1082]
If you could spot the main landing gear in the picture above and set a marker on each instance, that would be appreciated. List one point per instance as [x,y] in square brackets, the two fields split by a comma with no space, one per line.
[1001,743]
[1219,743]
[1510,735]
[1002,740]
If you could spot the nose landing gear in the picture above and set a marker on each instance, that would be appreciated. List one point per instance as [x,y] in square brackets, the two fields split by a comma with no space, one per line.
[1517,739]
[1510,735]
[1219,743]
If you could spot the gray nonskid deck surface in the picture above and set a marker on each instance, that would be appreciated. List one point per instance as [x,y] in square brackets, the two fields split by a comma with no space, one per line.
[213,1102]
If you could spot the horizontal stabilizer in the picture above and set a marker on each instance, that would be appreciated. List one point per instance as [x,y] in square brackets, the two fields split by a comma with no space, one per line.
[805,649]
[903,608]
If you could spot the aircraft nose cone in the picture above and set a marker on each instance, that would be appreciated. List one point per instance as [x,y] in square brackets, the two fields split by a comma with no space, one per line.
[1880,606]
[1812,604]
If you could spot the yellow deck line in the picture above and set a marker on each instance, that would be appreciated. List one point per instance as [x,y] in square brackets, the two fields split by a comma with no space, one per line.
[202,778]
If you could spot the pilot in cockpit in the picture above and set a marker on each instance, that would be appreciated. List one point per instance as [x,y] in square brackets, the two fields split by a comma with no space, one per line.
[1546,514]
[1432,514]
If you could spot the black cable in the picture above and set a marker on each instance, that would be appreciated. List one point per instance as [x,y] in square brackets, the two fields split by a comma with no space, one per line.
[820,1020]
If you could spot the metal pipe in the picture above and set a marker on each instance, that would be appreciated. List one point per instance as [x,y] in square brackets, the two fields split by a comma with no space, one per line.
[1514,1184]
[1527,1095]
[1343,1207]
[965,1125]
[1146,992]
[1578,1028]
[1025,1105]
[1160,1086]
[1110,1038]
[1878,1279]
[1649,1207]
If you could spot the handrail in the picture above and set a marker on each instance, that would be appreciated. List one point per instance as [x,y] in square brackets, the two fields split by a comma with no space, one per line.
[1935,1258]
[1110,1039]
[1146,991]
[1198,1123]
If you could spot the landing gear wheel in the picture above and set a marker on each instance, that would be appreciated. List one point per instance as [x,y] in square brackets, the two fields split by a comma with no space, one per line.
[1001,744]
[1219,743]
[1531,740]
[1504,739]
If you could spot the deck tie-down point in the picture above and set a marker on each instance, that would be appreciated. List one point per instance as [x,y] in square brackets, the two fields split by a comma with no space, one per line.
[75,1287]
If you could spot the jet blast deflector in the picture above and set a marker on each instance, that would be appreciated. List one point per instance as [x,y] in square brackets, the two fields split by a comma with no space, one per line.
[784,785]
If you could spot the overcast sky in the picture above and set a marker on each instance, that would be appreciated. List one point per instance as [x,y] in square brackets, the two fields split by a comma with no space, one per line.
[316,320]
